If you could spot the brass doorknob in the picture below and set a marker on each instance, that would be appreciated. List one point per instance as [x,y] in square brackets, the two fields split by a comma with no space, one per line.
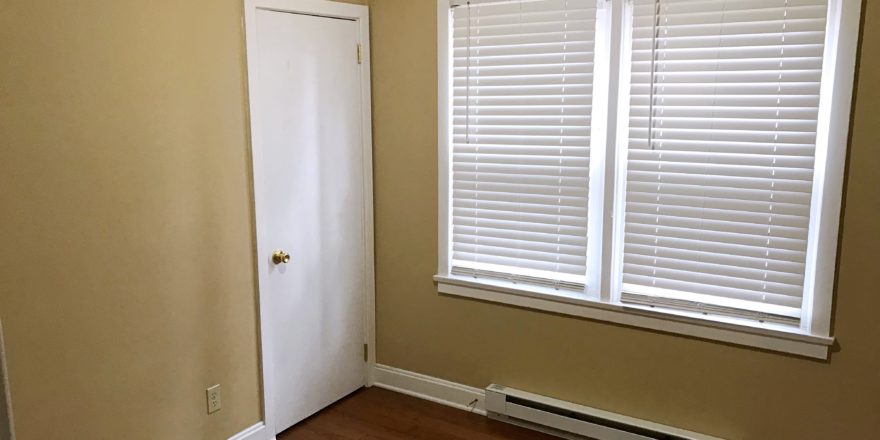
[279,257]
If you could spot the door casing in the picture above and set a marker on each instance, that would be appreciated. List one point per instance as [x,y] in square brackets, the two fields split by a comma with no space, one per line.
[324,8]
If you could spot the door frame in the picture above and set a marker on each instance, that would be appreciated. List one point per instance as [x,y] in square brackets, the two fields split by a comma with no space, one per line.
[330,9]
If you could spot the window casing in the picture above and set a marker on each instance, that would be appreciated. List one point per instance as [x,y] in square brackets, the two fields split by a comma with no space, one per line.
[678,159]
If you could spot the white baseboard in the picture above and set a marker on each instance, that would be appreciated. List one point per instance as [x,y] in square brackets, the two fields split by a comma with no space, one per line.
[5,397]
[430,388]
[256,432]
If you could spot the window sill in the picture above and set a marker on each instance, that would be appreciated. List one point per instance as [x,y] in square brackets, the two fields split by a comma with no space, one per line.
[734,331]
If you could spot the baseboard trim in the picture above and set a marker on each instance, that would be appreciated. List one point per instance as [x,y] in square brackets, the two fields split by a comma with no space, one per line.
[5,395]
[256,432]
[430,388]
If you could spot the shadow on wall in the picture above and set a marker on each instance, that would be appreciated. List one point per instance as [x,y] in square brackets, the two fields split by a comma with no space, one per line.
[5,405]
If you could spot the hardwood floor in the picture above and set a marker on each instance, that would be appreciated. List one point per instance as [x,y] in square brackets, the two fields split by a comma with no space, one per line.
[377,414]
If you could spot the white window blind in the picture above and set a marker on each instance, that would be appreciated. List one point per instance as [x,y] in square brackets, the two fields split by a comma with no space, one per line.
[521,108]
[723,118]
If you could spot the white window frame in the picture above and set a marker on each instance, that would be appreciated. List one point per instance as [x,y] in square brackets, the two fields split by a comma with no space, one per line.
[601,300]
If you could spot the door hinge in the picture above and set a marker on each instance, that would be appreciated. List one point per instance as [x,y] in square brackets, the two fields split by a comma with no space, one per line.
[359,53]
[366,352]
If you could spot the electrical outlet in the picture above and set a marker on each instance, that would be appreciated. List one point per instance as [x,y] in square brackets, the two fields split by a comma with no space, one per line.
[213,398]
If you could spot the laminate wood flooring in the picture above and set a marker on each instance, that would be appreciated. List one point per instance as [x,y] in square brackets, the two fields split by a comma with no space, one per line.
[377,414]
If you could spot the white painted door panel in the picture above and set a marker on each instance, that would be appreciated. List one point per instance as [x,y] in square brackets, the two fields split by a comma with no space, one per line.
[311,194]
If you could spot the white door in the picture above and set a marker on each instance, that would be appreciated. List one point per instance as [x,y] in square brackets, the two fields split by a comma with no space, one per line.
[309,184]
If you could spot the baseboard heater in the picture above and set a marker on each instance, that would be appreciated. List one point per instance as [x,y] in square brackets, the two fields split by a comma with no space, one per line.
[573,421]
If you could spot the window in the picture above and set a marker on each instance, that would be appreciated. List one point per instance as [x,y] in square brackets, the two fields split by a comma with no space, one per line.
[723,115]
[522,81]
[673,164]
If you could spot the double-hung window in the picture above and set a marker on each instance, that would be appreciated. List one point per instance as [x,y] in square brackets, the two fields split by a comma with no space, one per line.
[670,164]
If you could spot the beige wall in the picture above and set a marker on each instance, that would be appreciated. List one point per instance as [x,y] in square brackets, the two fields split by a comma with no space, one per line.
[126,267]
[729,391]
[126,251]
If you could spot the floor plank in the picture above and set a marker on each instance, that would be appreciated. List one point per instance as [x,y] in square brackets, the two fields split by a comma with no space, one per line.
[377,414]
